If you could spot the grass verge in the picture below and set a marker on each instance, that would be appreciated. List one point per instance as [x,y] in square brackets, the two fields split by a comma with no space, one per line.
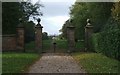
[97,63]
[17,62]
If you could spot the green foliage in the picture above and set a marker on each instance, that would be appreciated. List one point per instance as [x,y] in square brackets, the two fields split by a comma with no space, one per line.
[97,63]
[47,44]
[30,10]
[29,31]
[95,42]
[17,62]
[79,16]
[108,41]
[10,17]
[45,36]
[30,47]
[13,11]
[79,45]
[116,11]
[98,12]
[64,29]
[61,44]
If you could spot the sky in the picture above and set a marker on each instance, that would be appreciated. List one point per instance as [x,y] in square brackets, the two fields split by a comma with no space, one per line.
[55,13]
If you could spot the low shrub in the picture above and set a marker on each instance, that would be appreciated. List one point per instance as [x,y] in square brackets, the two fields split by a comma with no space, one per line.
[107,43]
[108,40]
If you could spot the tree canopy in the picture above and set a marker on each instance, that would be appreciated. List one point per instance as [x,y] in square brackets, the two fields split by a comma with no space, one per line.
[105,19]
[99,13]
[13,11]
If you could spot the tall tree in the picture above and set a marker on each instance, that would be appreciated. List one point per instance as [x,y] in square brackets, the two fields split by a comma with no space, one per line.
[99,13]
[116,11]
[79,15]
[10,16]
[31,10]
[13,11]
[64,29]
[45,36]
[29,31]
[109,38]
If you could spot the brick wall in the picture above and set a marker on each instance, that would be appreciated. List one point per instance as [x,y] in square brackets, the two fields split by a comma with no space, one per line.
[8,42]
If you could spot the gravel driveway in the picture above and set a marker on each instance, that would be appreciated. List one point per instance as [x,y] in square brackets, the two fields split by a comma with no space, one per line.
[56,63]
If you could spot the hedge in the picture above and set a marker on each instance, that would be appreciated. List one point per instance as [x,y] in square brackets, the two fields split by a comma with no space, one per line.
[108,43]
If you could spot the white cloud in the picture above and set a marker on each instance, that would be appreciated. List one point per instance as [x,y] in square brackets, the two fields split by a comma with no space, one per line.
[54,1]
[55,13]
[57,19]
[57,0]
[52,25]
